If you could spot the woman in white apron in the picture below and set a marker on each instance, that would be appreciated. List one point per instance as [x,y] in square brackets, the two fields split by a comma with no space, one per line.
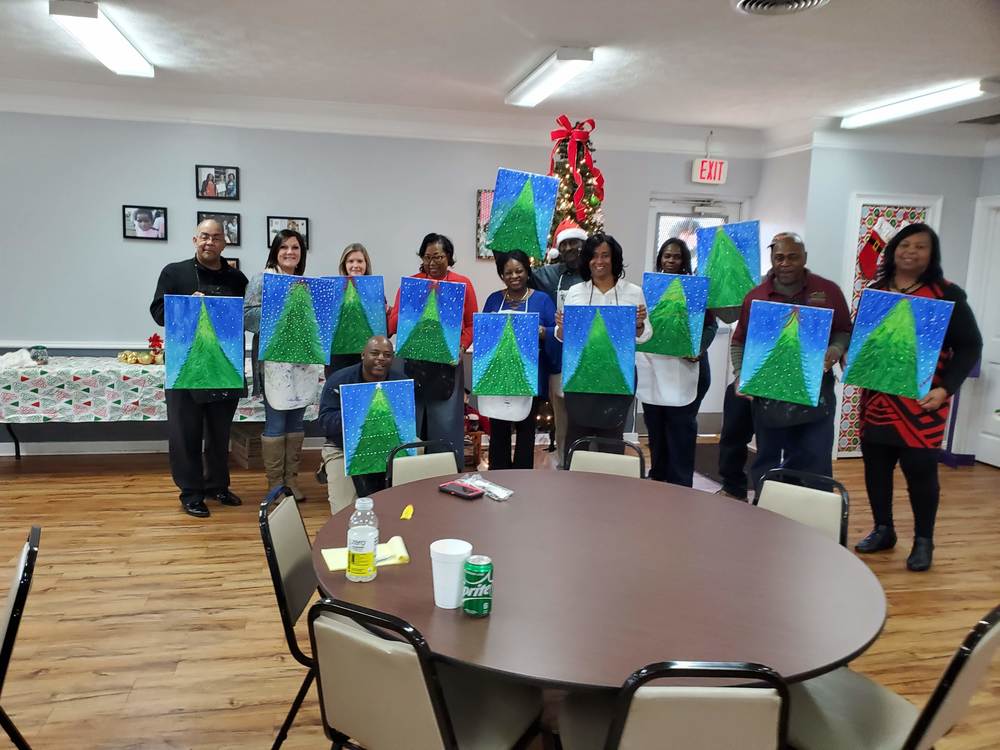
[671,388]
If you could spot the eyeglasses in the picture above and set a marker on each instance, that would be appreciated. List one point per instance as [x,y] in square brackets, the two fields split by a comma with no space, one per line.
[210,237]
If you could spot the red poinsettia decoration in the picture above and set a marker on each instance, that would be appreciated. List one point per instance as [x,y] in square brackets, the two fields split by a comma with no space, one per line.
[155,343]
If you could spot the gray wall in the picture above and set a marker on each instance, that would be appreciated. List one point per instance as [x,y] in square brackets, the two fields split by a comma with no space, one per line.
[989,184]
[780,204]
[837,173]
[84,284]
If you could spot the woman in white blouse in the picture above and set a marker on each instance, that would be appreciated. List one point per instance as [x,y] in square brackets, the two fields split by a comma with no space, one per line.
[602,268]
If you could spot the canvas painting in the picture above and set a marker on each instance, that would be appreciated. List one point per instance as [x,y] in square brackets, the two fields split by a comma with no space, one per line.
[676,312]
[296,319]
[521,214]
[599,349]
[359,312]
[505,354]
[430,320]
[729,255]
[204,342]
[377,417]
[896,342]
[784,352]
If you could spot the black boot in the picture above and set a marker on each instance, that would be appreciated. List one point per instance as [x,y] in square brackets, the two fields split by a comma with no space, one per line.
[881,537]
[921,554]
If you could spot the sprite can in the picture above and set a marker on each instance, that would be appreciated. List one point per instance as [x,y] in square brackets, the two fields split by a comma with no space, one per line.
[477,591]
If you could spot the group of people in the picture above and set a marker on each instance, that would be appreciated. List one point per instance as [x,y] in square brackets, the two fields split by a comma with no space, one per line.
[590,271]
[218,187]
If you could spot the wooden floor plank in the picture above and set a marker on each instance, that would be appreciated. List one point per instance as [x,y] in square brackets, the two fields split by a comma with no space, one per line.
[149,629]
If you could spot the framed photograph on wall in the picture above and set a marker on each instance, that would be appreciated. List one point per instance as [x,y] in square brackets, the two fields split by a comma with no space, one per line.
[144,223]
[296,223]
[484,208]
[233,263]
[230,225]
[217,183]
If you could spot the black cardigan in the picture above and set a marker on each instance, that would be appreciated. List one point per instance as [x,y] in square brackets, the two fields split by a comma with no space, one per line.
[189,276]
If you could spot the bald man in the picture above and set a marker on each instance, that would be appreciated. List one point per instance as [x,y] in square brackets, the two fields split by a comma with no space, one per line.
[377,365]
[195,416]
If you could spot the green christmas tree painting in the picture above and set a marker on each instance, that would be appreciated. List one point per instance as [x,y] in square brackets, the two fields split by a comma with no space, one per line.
[295,335]
[790,366]
[677,316]
[896,342]
[499,366]
[353,329]
[377,417]
[206,365]
[729,256]
[523,204]
[427,338]
[599,362]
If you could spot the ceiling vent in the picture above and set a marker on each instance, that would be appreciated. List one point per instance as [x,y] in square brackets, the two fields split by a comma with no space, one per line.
[776,7]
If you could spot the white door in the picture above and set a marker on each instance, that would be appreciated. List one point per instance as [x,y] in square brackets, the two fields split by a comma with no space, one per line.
[979,412]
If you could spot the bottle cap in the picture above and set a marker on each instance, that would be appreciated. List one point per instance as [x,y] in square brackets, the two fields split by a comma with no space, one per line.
[364,503]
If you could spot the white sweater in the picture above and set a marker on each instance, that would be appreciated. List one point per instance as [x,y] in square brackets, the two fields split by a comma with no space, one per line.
[622,293]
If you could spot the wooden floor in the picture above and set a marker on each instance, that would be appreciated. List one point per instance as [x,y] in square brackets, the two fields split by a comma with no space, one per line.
[149,629]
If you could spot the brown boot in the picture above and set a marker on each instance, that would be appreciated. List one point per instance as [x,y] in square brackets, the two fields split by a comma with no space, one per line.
[293,454]
[272,450]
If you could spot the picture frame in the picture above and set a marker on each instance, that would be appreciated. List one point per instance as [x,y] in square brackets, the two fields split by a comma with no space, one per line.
[299,224]
[484,209]
[232,225]
[233,263]
[216,183]
[152,224]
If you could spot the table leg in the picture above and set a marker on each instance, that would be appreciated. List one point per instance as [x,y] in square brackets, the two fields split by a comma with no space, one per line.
[17,443]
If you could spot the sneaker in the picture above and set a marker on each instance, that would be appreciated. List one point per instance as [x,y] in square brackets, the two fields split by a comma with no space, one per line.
[880,538]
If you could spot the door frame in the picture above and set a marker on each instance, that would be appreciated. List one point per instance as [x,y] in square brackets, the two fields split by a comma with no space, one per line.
[660,203]
[971,411]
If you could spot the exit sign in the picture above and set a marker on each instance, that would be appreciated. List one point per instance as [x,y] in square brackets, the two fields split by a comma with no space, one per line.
[710,171]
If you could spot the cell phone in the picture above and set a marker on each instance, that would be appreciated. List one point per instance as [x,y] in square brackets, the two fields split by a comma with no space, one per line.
[461,489]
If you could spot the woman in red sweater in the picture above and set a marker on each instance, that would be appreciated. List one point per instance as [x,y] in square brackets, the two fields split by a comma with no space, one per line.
[440,388]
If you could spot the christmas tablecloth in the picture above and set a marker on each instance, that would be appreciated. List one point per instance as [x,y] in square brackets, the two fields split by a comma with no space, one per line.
[95,389]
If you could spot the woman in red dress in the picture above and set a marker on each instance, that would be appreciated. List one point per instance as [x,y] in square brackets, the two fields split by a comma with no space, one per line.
[905,430]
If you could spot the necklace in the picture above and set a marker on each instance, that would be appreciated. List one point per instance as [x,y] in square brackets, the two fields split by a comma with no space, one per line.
[506,296]
[906,290]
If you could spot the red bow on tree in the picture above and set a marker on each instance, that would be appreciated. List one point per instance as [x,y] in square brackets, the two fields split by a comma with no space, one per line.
[574,135]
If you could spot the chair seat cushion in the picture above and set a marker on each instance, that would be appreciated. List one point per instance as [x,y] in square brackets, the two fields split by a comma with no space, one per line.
[488,712]
[844,709]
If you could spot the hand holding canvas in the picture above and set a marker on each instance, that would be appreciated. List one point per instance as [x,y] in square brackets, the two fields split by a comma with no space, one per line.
[933,400]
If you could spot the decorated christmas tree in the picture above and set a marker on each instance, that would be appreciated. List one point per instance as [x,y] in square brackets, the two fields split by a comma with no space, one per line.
[598,370]
[671,328]
[426,341]
[887,361]
[504,375]
[295,337]
[729,277]
[379,435]
[581,184]
[353,329]
[206,365]
[780,377]
[518,230]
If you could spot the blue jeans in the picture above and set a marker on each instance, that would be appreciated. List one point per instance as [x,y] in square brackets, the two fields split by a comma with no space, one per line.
[805,447]
[279,422]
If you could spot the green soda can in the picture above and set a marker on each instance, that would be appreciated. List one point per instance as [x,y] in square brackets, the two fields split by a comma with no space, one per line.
[477,591]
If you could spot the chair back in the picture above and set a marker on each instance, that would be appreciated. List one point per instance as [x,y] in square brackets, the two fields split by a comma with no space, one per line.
[581,458]
[17,596]
[960,681]
[405,469]
[753,717]
[811,499]
[380,691]
[289,559]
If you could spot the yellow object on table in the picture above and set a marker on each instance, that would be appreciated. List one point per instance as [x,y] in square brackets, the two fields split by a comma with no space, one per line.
[392,552]
[407,513]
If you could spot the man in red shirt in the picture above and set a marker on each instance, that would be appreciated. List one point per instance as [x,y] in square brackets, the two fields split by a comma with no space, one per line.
[792,435]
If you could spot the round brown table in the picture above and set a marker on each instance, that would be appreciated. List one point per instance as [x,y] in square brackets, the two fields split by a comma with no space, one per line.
[597,575]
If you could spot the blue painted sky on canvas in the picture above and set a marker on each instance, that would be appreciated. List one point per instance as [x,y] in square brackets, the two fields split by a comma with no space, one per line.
[181,313]
[654,286]
[451,301]
[371,291]
[931,317]
[746,237]
[486,331]
[766,321]
[276,288]
[508,186]
[355,398]
[620,322]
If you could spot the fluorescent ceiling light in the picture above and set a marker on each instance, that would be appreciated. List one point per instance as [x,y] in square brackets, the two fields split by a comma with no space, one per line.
[929,102]
[541,83]
[86,23]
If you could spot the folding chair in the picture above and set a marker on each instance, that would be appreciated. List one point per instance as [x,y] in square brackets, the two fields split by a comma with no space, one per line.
[17,596]
[581,458]
[406,469]
[811,499]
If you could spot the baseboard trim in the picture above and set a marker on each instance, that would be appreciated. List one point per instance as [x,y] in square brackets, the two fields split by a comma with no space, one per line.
[102,447]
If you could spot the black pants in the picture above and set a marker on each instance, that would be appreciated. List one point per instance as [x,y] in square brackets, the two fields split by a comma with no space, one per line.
[920,468]
[368,484]
[524,450]
[189,422]
[737,432]
[673,435]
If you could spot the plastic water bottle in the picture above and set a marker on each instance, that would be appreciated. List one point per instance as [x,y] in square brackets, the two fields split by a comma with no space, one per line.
[362,541]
